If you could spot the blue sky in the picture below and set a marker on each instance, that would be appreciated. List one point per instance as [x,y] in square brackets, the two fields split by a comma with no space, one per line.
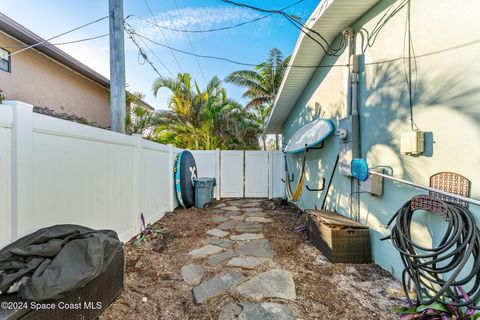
[249,43]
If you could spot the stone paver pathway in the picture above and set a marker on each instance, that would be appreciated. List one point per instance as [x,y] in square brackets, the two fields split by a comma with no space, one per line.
[237,243]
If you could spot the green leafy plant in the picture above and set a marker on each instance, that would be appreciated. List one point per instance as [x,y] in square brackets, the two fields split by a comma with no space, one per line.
[440,310]
[147,230]
[2,96]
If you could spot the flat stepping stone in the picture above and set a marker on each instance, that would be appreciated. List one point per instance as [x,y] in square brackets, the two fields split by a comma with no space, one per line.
[192,274]
[220,205]
[247,236]
[237,202]
[227,225]
[237,218]
[234,213]
[251,204]
[256,214]
[275,283]
[231,208]
[219,219]
[257,248]
[217,233]
[218,211]
[252,209]
[219,258]
[249,227]
[256,311]
[205,251]
[216,285]
[259,219]
[246,262]
[221,242]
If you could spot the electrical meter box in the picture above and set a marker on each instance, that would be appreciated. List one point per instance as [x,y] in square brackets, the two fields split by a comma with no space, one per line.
[412,143]
[349,147]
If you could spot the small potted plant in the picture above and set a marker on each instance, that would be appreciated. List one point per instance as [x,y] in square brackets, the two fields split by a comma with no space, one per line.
[2,96]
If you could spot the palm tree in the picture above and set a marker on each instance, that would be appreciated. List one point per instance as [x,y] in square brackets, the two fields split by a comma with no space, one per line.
[139,117]
[205,119]
[262,84]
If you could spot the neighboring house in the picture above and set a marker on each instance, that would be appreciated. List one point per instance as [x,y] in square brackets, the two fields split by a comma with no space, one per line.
[446,99]
[48,78]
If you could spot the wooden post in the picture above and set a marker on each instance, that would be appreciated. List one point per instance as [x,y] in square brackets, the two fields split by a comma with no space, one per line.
[117,67]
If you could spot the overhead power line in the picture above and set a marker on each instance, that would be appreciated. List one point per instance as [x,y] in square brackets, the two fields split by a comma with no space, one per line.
[163,36]
[302,66]
[215,29]
[322,41]
[57,36]
[142,52]
[157,57]
[61,43]
[191,46]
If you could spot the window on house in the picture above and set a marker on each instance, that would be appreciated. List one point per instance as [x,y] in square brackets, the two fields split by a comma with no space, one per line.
[4,60]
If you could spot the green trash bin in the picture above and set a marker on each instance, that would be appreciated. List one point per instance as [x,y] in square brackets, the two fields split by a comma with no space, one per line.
[203,191]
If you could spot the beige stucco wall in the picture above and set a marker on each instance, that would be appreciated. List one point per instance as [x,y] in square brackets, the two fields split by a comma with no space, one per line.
[41,81]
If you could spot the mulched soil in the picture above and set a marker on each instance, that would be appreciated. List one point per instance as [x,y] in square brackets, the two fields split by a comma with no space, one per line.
[155,290]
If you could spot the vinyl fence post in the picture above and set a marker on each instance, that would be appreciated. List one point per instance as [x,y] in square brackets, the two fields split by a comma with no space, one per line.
[137,182]
[270,174]
[217,172]
[22,167]
[171,182]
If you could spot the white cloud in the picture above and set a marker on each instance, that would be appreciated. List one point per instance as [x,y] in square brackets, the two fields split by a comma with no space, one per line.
[191,18]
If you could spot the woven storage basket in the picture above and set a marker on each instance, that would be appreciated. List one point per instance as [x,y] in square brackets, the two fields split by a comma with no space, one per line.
[340,239]
[102,290]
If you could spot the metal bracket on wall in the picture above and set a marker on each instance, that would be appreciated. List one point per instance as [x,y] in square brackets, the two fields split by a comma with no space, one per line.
[307,148]
[451,182]
[319,189]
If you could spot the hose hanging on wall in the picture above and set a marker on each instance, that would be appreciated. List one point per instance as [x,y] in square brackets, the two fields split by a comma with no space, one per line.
[440,274]
[294,196]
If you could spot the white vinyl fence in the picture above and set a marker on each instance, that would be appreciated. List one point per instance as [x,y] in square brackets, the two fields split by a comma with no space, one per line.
[249,174]
[55,171]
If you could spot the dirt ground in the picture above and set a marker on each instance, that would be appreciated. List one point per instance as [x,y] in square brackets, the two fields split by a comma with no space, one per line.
[155,290]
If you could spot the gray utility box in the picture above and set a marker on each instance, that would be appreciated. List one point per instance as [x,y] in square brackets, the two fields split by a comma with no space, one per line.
[203,191]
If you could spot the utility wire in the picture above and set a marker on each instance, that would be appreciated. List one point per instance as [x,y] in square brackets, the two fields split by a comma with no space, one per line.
[57,36]
[163,36]
[408,73]
[191,46]
[227,59]
[216,29]
[157,57]
[142,53]
[306,66]
[326,46]
[371,36]
[60,43]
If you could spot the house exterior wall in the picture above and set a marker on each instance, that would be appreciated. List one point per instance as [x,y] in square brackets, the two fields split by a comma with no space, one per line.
[447,108]
[41,81]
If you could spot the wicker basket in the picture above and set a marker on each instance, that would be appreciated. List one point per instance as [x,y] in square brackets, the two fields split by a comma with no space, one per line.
[340,239]
[93,298]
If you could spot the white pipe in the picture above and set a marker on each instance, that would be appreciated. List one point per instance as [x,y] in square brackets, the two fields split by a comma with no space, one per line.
[456,196]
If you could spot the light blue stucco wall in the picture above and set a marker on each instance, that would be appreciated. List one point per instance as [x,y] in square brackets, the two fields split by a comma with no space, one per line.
[447,108]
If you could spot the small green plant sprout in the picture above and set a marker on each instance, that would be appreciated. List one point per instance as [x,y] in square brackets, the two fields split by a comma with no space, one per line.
[2,96]
[147,230]
[440,310]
